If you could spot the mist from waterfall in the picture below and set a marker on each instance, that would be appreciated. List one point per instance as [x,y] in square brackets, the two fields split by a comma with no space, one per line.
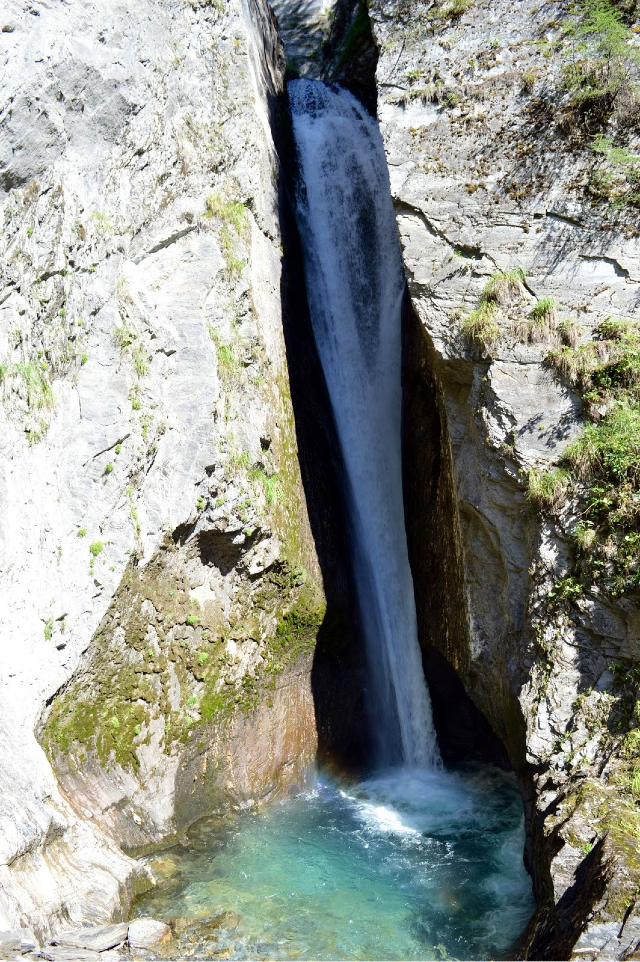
[355,285]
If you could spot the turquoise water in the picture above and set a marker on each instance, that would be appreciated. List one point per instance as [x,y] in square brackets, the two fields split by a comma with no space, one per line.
[414,865]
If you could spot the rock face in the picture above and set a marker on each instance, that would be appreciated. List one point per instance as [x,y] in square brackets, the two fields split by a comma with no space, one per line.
[482,184]
[160,588]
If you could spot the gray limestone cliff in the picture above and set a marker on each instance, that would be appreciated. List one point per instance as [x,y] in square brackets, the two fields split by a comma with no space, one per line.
[161,592]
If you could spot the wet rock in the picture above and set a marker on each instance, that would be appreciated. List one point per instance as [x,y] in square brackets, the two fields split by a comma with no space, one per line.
[147,933]
[229,921]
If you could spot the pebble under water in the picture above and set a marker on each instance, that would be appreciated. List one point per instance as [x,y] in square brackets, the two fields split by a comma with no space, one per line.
[412,865]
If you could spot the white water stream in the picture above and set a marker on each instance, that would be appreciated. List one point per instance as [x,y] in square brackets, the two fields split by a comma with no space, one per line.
[414,863]
[355,286]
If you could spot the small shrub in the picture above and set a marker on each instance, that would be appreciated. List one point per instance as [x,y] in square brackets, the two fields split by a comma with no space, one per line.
[547,489]
[48,629]
[453,10]
[95,548]
[481,329]
[610,448]
[585,536]
[622,182]
[568,332]
[601,72]
[82,532]
[140,360]
[118,448]
[201,503]
[124,335]
[621,329]
[450,99]
[504,287]
[83,359]
[108,468]
[528,81]
[192,619]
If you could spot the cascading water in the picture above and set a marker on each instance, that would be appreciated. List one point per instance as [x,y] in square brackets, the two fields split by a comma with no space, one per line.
[415,863]
[355,285]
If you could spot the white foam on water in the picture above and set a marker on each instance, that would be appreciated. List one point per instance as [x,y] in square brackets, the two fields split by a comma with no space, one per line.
[355,285]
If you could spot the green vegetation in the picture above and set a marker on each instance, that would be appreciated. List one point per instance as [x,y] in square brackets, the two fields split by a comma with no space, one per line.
[241,459]
[618,180]
[95,548]
[118,448]
[140,360]
[192,619]
[232,216]
[270,484]
[48,629]
[32,381]
[568,332]
[229,366]
[453,10]
[480,327]
[82,532]
[108,468]
[103,222]
[358,33]
[603,464]
[600,74]
[540,325]
[547,490]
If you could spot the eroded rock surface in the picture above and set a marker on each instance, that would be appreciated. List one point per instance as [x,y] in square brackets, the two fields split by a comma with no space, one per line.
[151,496]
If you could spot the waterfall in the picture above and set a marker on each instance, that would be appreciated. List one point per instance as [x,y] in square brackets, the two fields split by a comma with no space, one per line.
[355,284]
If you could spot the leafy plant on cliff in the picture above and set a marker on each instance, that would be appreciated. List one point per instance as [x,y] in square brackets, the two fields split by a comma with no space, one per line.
[618,180]
[603,66]
[603,464]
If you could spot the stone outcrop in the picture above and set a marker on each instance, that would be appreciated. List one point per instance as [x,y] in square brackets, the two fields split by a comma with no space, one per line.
[161,592]
[479,187]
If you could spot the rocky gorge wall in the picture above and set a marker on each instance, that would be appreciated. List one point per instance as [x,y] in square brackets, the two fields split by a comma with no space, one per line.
[164,598]
[161,590]
[492,175]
